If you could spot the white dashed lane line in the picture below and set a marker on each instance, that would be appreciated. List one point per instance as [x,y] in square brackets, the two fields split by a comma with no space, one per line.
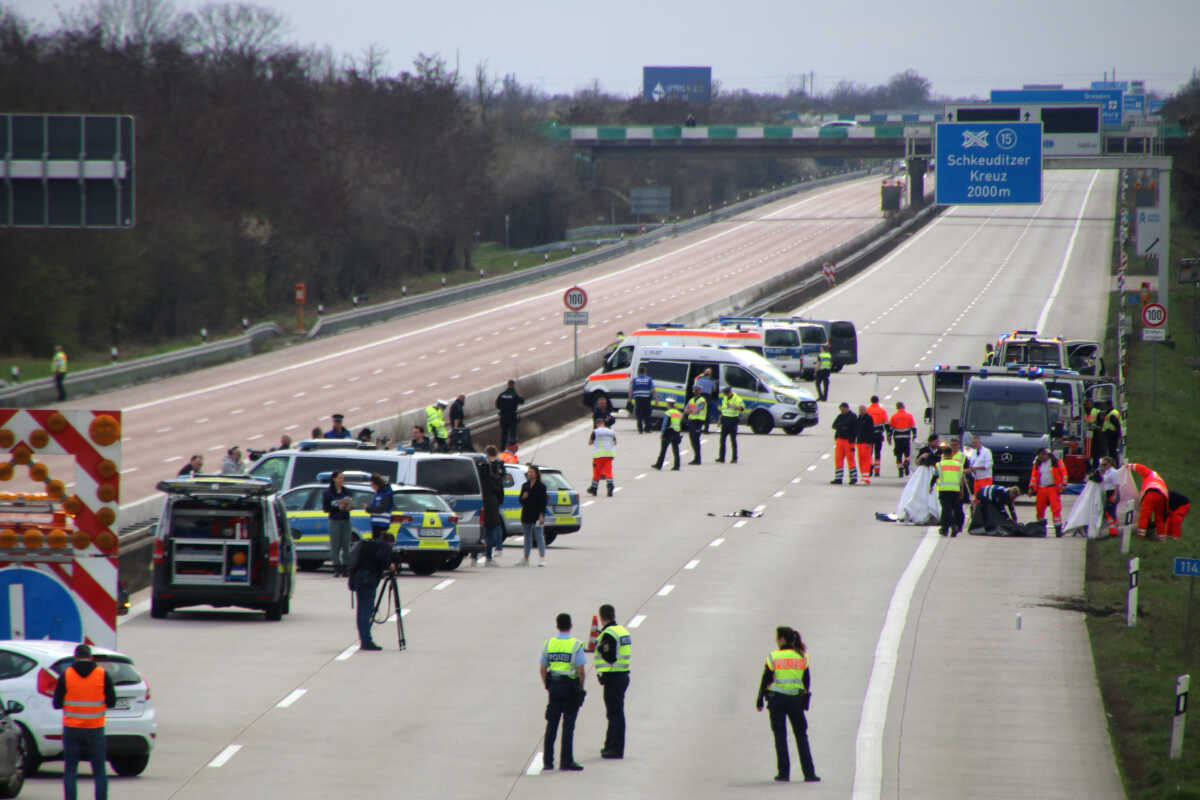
[619,488]
[444,585]
[202,420]
[796,479]
[741,523]
[255,436]
[291,698]
[692,564]
[355,378]
[588,503]
[378,371]
[345,654]
[223,757]
[666,590]
[163,430]
[299,394]
[535,766]
[129,470]
[780,493]
[216,447]
[172,458]
[636,621]
[716,542]
[268,402]
[639,477]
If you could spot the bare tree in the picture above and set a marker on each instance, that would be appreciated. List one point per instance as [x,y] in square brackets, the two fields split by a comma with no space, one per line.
[125,23]
[240,29]
[485,90]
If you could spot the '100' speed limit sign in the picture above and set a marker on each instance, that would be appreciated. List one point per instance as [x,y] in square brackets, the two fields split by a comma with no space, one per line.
[575,298]
[1154,315]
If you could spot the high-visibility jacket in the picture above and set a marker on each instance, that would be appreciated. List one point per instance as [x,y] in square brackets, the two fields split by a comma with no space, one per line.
[1057,470]
[1090,418]
[903,425]
[434,422]
[83,703]
[732,405]
[604,443]
[624,650]
[1112,421]
[509,458]
[788,667]
[949,475]
[59,362]
[1151,480]
[697,408]
[879,417]
[560,653]
[824,360]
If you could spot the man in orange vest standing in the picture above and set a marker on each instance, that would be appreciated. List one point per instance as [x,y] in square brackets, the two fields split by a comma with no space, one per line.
[83,693]
[880,418]
[1046,483]
[901,430]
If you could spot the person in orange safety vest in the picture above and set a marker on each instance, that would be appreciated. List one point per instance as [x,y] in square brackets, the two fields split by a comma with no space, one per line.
[901,430]
[84,692]
[880,418]
[1046,483]
[1166,508]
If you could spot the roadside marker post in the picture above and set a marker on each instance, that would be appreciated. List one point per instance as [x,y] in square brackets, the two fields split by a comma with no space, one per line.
[1177,724]
[1132,598]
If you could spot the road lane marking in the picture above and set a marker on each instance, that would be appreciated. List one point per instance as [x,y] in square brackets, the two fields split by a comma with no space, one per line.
[403,612]
[202,420]
[639,476]
[1066,261]
[796,479]
[269,403]
[378,371]
[455,377]
[383,400]
[761,507]
[716,542]
[216,447]
[255,436]
[780,493]
[355,378]
[345,654]
[535,766]
[223,757]
[172,458]
[408,392]
[637,620]
[868,744]
[474,369]
[824,456]
[299,394]
[327,386]
[666,590]
[443,585]
[291,698]
[291,427]
[692,564]
[164,430]
[588,503]
[129,470]
[741,523]
[619,488]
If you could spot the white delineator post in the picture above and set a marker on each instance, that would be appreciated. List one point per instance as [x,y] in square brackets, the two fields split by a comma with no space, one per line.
[1181,697]
[1132,598]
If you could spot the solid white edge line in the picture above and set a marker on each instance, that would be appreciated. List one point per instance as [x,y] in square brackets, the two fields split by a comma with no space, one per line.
[291,698]
[637,620]
[868,744]
[223,757]
[535,766]
[345,654]
[444,585]
[1066,262]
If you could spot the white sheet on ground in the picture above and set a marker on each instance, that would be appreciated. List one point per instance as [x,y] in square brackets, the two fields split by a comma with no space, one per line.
[1087,511]
[918,503]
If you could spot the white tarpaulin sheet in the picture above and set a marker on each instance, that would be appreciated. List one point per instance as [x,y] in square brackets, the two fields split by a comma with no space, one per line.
[1088,511]
[918,502]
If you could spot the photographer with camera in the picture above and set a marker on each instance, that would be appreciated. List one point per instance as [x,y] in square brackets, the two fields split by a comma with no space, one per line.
[562,670]
[370,558]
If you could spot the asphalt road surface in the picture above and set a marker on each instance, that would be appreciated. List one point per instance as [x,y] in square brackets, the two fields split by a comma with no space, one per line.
[923,686]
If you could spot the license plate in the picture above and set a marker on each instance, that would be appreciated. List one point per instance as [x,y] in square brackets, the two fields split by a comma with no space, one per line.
[439,545]
[563,509]
[123,704]
[566,520]
[1007,479]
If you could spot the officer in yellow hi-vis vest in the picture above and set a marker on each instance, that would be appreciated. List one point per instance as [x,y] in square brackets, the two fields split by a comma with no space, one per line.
[562,670]
[732,407]
[785,685]
[949,489]
[696,412]
[58,365]
[612,669]
[672,427]
[84,692]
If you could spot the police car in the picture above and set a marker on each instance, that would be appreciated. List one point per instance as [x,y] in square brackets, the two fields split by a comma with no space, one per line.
[425,527]
[563,512]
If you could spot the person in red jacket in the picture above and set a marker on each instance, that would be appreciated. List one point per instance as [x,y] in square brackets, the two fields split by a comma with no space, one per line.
[1046,482]
[1166,508]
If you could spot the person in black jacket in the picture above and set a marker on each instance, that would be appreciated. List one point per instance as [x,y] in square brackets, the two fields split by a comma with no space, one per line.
[864,438]
[492,477]
[374,558]
[787,701]
[844,426]
[533,514]
[507,403]
[456,410]
[336,501]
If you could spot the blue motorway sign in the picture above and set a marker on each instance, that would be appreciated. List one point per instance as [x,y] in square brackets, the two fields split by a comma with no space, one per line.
[1110,100]
[989,163]
[1188,567]
[1122,85]
[689,84]
[1135,104]
[1154,106]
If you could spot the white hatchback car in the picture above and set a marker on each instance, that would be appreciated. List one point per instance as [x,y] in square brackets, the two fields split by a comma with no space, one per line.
[29,672]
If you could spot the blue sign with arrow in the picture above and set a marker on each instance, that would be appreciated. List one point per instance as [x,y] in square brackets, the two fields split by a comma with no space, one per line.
[989,163]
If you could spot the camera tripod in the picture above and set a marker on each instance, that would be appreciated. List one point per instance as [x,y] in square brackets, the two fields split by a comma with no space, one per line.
[389,589]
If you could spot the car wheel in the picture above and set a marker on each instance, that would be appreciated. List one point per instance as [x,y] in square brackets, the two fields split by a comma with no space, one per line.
[453,562]
[761,422]
[309,564]
[159,608]
[12,786]
[31,756]
[423,565]
[128,766]
[287,601]
[794,429]
[550,537]
[274,611]
[838,367]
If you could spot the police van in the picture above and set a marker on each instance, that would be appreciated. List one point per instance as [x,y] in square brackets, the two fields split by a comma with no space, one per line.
[771,398]
[781,342]
[454,476]
[615,376]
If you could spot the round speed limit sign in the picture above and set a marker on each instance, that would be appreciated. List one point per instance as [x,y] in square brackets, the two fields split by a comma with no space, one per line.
[1154,315]
[575,298]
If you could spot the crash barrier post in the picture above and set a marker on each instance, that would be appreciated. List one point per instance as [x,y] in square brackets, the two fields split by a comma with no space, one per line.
[1131,600]
[1181,698]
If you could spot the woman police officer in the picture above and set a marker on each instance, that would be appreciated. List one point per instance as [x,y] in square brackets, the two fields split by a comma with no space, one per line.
[785,685]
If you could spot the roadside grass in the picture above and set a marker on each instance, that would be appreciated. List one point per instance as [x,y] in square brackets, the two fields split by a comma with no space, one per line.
[1137,666]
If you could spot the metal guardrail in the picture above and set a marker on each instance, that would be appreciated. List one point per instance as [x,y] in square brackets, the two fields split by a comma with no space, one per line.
[138,370]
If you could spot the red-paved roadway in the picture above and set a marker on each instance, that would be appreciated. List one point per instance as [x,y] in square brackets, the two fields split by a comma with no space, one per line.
[378,371]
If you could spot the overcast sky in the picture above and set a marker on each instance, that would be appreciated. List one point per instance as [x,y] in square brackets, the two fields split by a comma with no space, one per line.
[963,47]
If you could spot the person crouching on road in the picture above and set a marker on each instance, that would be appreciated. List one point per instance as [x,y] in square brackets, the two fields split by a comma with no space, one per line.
[337,501]
[786,687]
[949,481]
[604,450]
[844,425]
[563,667]
[1159,507]
[992,504]
[533,514]
[1046,482]
[83,692]
[864,437]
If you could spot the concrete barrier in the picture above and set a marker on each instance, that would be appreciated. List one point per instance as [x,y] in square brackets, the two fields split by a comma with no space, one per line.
[139,370]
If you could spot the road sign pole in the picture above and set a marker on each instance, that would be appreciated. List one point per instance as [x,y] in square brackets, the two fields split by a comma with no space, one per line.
[1187,623]
[1131,599]
[575,336]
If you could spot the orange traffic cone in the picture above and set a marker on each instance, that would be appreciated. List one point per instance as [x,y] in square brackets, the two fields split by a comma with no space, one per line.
[594,636]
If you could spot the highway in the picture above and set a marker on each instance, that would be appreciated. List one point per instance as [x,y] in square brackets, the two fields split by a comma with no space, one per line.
[923,686]
[375,372]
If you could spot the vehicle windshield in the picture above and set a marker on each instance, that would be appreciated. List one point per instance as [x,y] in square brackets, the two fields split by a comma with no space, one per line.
[1004,416]
[119,669]
[767,372]
[781,337]
[812,334]
[555,482]
[420,501]
[448,475]
[1040,353]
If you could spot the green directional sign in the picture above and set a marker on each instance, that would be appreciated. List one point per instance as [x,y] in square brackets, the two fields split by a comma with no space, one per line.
[66,171]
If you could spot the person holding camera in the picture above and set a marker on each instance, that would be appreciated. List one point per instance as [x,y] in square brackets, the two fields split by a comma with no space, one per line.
[563,665]
[785,687]
[372,557]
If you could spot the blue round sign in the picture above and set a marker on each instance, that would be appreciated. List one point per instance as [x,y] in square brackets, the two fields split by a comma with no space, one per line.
[50,610]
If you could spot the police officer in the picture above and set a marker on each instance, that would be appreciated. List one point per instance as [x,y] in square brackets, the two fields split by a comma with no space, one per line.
[642,390]
[562,669]
[949,489]
[435,423]
[338,431]
[507,403]
[824,367]
[612,669]
[83,692]
[708,389]
[1111,429]
[785,686]
[672,426]
[732,407]
[697,416]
